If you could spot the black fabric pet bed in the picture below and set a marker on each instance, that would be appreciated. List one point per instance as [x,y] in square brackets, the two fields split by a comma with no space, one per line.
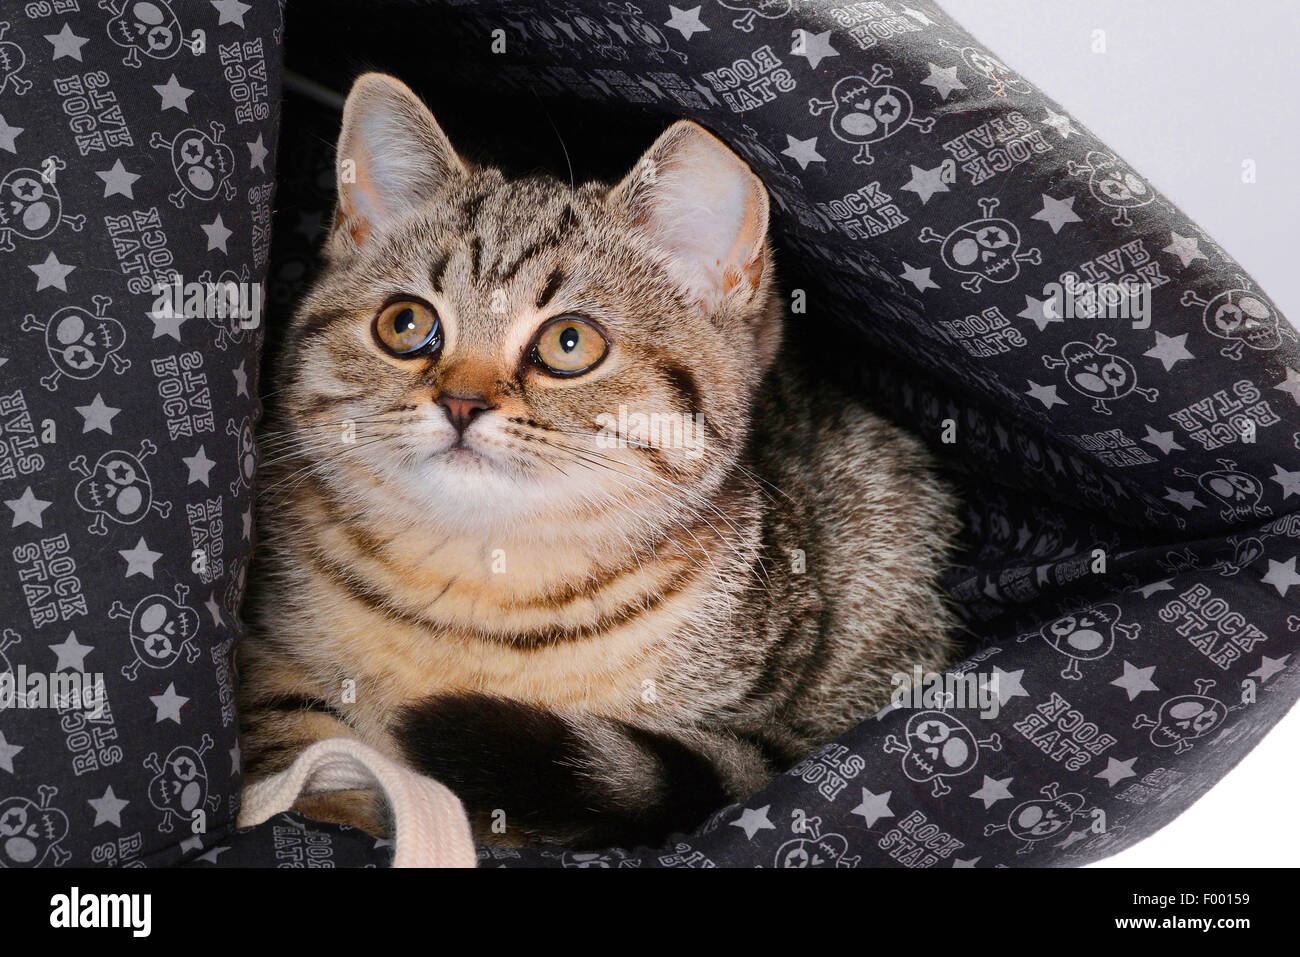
[1129,568]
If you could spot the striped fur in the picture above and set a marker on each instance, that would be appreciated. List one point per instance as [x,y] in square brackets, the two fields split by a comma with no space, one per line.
[590,644]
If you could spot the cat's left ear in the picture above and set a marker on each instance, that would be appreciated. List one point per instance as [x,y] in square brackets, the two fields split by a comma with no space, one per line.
[701,206]
[392,156]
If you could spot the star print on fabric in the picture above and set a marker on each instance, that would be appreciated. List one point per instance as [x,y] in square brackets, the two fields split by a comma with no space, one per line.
[1291,384]
[926,182]
[958,862]
[27,509]
[1269,667]
[66,43]
[97,415]
[803,152]
[1170,350]
[211,855]
[1186,248]
[1281,575]
[686,22]
[1290,481]
[51,274]
[199,465]
[173,95]
[168,705]
[241,379]
[1187,500]
[217,234]
[1045,394]
[993,791]
[1042,312]
[920,278]
[1136,680]
[213,609]
[8,134]
[1117,771]
[873,807]
[236,758]
[257,154]
[1007,684]
[1057,212]
[1059,122]
[118,180]
[813,47]
[753,821]
[944,80]
[918,16]
[231,12]
[1148,590]
[7,753]
[139,560]
[1164,441]
[191,843]
[71,653]
[167,321]
[108,809]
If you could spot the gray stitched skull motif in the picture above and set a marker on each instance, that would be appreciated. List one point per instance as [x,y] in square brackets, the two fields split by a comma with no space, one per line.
[593,36]
[1041,818]
[203,164]
[1244,554]
[118,488]
[938,746]
[12,60]
[180,785]
[30,204]
[245,454]
[79,344]
[986,249]
[1086,635]
[812,848]
[144,26]
[1242,317]
[1240,492]
[1184,718]
[1113,183]
[1097,374]
[223,308]
[160,630]
[1000,76]
[30,831]
[866,111]
[752,9]
[643,30]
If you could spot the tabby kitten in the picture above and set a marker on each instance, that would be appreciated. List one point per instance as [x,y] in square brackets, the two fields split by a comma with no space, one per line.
[507,578]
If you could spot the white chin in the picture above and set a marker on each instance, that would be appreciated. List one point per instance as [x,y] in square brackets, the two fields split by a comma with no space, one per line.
[468,488]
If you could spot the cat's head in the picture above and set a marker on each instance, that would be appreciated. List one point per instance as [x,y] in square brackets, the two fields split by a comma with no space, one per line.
[498,350]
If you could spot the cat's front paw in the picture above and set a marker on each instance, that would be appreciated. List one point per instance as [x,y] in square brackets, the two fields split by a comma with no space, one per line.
[364,810]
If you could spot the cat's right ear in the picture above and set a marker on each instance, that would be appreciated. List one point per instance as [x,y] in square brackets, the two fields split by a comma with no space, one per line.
[392,156]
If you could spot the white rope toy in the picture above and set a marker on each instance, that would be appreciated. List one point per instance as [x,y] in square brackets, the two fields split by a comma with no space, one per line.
[430,828]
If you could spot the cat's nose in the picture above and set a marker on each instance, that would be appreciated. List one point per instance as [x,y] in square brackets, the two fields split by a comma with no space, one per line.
[463,409]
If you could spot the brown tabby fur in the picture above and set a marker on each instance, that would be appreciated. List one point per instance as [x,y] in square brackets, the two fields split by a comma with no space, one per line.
[653,627]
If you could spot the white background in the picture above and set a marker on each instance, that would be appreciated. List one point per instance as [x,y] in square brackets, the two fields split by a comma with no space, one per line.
[1187,90]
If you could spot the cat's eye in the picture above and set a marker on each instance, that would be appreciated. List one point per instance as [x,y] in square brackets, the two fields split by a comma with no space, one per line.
[407,329]
[569,346]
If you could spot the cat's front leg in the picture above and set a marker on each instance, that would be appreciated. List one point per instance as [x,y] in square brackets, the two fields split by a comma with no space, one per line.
[278,721]
[528,775]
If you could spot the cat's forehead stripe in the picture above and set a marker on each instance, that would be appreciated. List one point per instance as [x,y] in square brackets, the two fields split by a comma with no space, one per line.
[553,283]
[439,267]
